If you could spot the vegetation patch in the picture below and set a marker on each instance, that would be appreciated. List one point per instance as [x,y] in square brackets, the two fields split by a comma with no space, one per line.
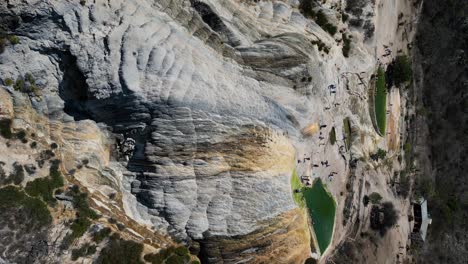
[296,187]
[321,46]
[401,70]
[101,234]
[322,21]
[5,128]
[332,136]
[120,251]
[13,39]
[84,213]
[404,184]
[31,209]
[380,96]
[8,82]
[174,255]
[383,217]
[44,187]
[17,175]
[27,84]
[375,198]
[307,9]
[85,250]
[347,132]
[379,155]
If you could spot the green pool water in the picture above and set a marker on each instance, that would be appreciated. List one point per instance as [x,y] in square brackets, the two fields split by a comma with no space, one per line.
[322,211]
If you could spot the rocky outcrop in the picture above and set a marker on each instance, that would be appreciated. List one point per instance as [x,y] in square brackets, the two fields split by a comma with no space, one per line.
[189,113]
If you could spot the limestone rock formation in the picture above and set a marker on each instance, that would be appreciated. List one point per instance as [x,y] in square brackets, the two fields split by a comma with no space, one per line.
[184,119]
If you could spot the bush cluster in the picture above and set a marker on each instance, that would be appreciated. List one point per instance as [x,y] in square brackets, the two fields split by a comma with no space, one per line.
[44,187]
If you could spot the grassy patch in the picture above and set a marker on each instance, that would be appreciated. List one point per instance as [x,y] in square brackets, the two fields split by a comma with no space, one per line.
[347,132]
[13,198]
[381,101]
[296,185]
[332,136]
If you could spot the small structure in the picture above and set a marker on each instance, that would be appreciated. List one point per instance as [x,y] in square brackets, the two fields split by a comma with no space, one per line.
[422,220]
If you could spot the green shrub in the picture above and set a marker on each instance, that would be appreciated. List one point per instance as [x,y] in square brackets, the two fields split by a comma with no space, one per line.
[332,136]
[375,198]
[21,135]
[79,227]
[381,153]
[14,39]
[5,128]
[28,76]
[8,82]
[19,85]
[344,17]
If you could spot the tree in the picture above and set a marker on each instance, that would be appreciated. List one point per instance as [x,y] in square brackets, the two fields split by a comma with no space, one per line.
[390,215]
[375,198]
[401,70]
[381,153]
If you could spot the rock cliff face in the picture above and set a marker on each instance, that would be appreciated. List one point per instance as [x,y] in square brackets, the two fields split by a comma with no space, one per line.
[192,113]
[442,58]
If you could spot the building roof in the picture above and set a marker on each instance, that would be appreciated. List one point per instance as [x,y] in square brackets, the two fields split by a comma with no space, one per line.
[426,219]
